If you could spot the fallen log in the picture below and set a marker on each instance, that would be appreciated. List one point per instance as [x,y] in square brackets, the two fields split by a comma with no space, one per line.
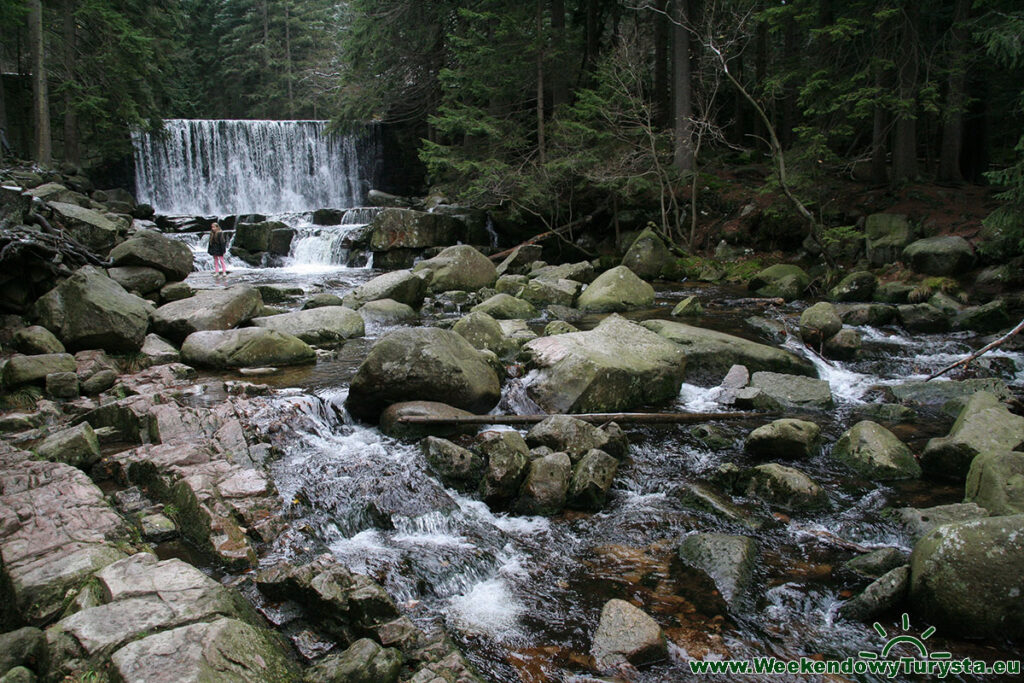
[598,418]
[979,352]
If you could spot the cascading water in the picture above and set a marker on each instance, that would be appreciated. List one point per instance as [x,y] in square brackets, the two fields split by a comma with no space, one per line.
[219,167]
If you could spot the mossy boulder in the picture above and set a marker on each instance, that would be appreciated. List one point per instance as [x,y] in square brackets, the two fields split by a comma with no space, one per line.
[984,424]
[782,280]
[886,236]
[402,286]
[947,255]
[213,309]
[819,322]
[858,286]
[458,268]
[787,438]
[400,228]
[618,289]
[876,453]
[152,249]
[726,559]
[506,307]
[996,482]
[245,348]
[325,325]
[785,487]
[649,258]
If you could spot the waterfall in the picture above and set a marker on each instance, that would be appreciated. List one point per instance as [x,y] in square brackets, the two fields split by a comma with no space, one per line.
[220,167]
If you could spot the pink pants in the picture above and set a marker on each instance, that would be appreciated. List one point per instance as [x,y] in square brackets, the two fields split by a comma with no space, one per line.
[218,264]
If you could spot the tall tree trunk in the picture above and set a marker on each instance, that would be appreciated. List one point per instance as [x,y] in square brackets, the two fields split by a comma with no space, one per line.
[739,134]
[682,89]
[540,81]
[71,148]
[40,97]
[761,69]
[879,135]
[952,125]
[904,145]
[560,74]
[660,95]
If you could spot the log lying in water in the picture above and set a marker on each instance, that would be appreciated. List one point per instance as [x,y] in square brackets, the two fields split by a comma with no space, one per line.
[599,418]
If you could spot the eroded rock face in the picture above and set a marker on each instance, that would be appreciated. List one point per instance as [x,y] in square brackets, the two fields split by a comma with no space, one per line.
[91,311]
[422,363]
[616,366]
[966,577]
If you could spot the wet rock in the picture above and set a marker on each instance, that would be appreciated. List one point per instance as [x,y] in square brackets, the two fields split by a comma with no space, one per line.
[794,392]
[919,522]
[874,315]
[944,255]
[772,330]
[215,309]
[457,467]
[894,292]
[876,453]
[508,460]
[422,363]
[558,327]
[932,393]
[886,236]
[544,292]
[689,306]
[517,331]
[250,347]
[176,291]
[159,351]
[157,528]
[386,313]
[987,318]
[33,369]
[702,497]
[139,280]
[76,446]
[575,437]
[984,424]
[922,318]
[858,286]
[544,489]
[402,286]
[391,425]
[458,268]
[727,560]
[877,562]
[786,438]
[616,366]
[99,382]
[363,662]
[511,284]
[506,307]
[36,340]
[885,412]
[995,481]
[581,271]
[591,480]
[710,354]
[90,227]
[25,647]
[151,249]
[325,325]
[484,332]
[885,594]
[627,634]
[966,577]
[518,262]
[782,280]
[402,228]
[91,311]
[649,258]
[618,289]
[843,345]
[819,322]
[62,385]
[785,487]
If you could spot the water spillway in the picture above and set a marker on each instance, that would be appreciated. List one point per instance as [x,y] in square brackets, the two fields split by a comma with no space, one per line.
[220,167]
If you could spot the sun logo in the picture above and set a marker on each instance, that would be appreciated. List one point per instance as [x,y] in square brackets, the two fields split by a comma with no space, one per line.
[915,641]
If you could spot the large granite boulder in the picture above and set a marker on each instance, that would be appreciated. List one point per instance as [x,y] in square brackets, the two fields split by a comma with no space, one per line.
[245,348]
[325,325]
[726,559]
[34,369]
[876,453]
[984,424]
[422,364]
[212,309]
[566,434]
[386,313]
[546,484]
[965,577]
[945,255]
[581,271]
[76,446]
[819,322]
[508,460]
[592,478]
[616,366]
[618,289]
[793,391]
[458,467]
[782,280]
[886,236]
[506,307]
[91,311]
[90,227]
[648,257]
[787,438]
[458,268]
[710,354]
[484,332]
[139,280]
[363,662]
[391,420]
[397,228]
[36,339]
[545,292]
[149,248]
[402,286]
[627,634]
[785,487]
[858,286]
[996,482]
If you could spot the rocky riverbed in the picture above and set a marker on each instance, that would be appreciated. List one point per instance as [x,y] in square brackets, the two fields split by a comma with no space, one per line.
[215,479]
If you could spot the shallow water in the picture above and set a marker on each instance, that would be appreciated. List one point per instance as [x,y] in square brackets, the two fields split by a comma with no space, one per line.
[522,595]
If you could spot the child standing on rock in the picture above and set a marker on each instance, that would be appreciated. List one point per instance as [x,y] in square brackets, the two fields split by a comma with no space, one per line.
[218,245]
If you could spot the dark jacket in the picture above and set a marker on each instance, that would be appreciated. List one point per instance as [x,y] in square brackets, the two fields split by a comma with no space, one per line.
[218,243]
